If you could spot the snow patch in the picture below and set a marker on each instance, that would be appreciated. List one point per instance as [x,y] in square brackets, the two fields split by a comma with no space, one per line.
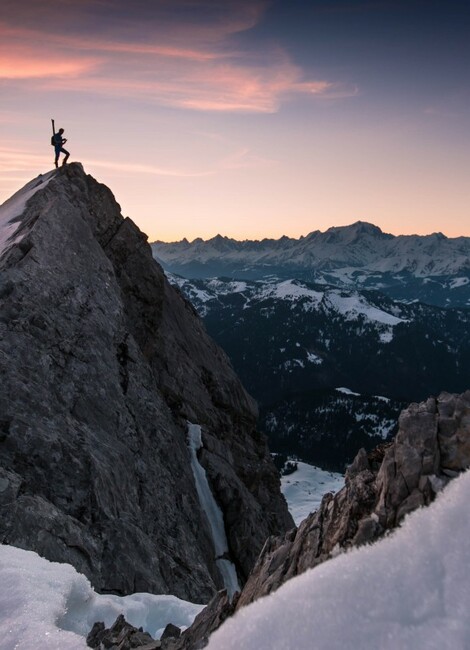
[355,305]
[291,364]
[292,290]
[305,488]
[314,358]
[223,288]
[346,391]
[386,335]
[458,282]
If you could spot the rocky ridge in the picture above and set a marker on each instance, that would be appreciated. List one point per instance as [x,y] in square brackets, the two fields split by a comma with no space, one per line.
[102,365]
[431,447]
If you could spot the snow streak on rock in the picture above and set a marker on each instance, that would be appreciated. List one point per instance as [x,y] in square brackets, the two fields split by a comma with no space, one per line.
[13,208]
[212,511]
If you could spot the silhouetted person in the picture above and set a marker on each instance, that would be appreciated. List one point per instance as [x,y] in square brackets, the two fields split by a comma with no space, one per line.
[58,142]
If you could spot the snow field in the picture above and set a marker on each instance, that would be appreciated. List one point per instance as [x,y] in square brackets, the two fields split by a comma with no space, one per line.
[305,488]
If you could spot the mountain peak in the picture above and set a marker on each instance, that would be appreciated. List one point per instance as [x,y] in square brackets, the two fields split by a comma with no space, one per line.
[94,461]
[366,227]
[356,229]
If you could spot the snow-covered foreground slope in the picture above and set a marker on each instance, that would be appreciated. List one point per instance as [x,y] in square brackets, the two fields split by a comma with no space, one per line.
[409,591]
[49,606]
[304,489]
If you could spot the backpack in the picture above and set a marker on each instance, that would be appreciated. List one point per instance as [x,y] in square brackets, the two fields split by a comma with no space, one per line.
[53,140]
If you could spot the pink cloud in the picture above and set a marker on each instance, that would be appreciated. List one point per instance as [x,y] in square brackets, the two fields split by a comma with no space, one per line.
[23,67]
[189,64]
[219,89]
[27,54]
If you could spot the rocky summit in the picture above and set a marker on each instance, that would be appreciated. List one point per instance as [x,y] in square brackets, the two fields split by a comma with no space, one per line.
[102,366]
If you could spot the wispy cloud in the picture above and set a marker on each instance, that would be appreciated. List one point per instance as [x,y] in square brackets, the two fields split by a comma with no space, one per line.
[152,170]
[214,87]
[183,53]
[12,158]
[239,158]
[244,158]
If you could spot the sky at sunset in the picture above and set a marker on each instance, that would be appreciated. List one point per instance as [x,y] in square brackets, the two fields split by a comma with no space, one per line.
[248,118]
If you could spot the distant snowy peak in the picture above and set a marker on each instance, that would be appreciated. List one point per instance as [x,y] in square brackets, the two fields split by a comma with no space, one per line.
[342,251]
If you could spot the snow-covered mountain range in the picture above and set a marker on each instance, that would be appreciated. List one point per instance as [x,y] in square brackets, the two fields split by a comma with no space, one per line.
[331,368]
[432,268]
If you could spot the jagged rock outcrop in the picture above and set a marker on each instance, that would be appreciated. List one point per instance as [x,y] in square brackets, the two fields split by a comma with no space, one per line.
[124,636]
[120,636]
[102,363]
[431,447]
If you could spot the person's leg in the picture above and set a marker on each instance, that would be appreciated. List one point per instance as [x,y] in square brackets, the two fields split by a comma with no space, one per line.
[57,154]
[64,162]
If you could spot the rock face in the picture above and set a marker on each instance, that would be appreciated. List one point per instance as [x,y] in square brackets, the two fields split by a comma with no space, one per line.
[102,364]
[431,447]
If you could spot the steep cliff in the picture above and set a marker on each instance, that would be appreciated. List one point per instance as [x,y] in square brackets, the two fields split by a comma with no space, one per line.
[102,365]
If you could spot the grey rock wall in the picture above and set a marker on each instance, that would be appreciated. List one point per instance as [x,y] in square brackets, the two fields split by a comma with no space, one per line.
[101,365]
